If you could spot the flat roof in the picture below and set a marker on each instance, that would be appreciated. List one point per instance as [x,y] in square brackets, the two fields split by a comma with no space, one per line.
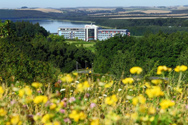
[112,29]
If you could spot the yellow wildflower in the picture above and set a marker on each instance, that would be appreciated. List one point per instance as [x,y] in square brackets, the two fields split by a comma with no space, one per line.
[128,80]
[166,103]
[74,115]
[67,78]
[95,122]
[77,115]
[36,117]
[154,92]
[108,85]
[40,99]
[142,108]
[25,91]
[1,90]
[83,86]
[53,106]
[160,69]
[151,110]
[80,87]
[75,73]
[86,84]
[56,123]
[179,90]
[112,116]
[156,81]
[141,99]
[21,92]
[28,91]
[36,85]
[111,100]
[146,118]
[49,123]
[180,68]
[152,119]
[8,123]
[2,112]
[135,101]
[15,119]
[82,115]
[134,116]
[46,118]
[136,70]
[147,84]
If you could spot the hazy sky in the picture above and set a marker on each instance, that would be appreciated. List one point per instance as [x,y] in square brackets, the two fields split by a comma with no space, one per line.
[84,3]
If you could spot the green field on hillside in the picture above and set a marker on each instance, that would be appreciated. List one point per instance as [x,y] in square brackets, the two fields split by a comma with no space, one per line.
[78,43]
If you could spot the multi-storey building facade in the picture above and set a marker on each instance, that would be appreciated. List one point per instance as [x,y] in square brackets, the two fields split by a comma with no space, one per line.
[90,32]
[72,33]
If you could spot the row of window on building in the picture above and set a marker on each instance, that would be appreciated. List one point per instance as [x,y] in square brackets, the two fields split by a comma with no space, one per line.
[91,32]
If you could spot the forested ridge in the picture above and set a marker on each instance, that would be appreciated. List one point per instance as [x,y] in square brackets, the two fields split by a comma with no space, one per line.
[116,55]
[29,53]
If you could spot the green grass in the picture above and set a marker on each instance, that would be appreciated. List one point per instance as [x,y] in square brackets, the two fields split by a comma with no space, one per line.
[87,45]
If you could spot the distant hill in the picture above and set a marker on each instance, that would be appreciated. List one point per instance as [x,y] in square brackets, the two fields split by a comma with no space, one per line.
[12,14]
[92,14]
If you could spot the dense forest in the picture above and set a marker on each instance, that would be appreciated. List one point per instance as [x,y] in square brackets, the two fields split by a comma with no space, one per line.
[28,52]
[116,55]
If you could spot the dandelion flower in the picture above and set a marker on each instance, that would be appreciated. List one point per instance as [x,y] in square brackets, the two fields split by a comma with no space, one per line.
[46,118]
[3,112]
[1,90]
[156,81]
[40,99]
[128,80]
[36,85]
[53,106]
[77,116]
[180,68]
[151,110]
[135,101]
[136,70]
[166,103]
[111,100]
[15,119]
[95,122]
[154,92]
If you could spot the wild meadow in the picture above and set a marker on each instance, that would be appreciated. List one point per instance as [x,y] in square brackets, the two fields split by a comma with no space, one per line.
[88,99]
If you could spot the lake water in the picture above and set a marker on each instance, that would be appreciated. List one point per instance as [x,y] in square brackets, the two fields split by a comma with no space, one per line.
[53,25]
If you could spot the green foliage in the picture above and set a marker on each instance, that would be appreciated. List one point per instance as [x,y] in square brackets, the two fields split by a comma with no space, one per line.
[27,29]
[5,29]
[31,56]
[122,62]
[15,63]
[119,54]
[106,50]
[55,38]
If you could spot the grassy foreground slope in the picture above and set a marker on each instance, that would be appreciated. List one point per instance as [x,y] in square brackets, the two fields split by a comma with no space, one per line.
[94,100]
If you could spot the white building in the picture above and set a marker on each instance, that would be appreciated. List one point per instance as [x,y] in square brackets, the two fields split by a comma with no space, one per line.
[90,32]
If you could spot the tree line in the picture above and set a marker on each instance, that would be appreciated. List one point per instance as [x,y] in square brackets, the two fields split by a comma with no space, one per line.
[118,54]
[28,52]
